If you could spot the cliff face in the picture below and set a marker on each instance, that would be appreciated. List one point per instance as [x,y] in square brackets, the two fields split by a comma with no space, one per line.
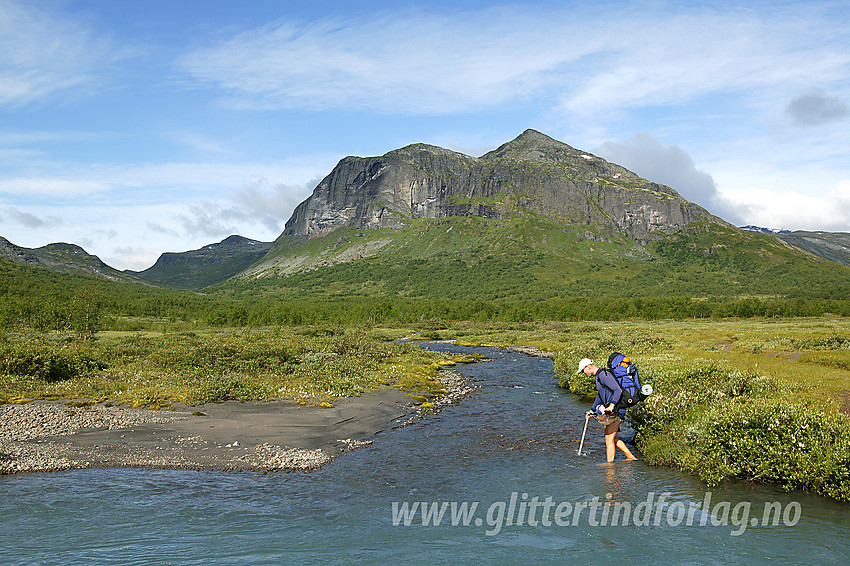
[531,175]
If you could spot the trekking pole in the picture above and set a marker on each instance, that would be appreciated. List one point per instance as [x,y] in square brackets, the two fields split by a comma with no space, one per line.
[580,446]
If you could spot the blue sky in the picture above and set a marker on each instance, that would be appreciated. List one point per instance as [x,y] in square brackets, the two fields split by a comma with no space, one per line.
[138,127]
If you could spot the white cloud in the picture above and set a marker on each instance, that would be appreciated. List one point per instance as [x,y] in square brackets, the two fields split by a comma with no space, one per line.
[62,187]
[408,63]
[794,209]
[691,54]
[259,204]
[672,166]
[45,55]
[159,181]
[592,62]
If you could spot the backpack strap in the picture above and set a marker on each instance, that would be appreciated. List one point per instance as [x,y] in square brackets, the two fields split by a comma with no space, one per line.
[602,383]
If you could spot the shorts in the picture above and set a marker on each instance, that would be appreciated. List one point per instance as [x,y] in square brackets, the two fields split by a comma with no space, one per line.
[607,418]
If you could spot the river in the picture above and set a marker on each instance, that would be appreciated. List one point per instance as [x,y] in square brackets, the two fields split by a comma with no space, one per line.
[506,455]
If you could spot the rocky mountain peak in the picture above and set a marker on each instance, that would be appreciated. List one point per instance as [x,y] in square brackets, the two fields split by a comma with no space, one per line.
[533,174]
[418,150]
[532,145]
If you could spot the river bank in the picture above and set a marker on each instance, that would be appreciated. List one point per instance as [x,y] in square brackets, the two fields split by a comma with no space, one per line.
[266,436]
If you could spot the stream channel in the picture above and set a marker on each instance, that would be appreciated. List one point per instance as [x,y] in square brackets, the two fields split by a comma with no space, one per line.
[508,451]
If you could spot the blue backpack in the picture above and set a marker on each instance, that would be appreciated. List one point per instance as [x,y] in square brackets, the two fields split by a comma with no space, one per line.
[626,373]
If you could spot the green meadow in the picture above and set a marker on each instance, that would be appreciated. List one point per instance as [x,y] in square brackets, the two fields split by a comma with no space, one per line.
[748,387]
[755,399]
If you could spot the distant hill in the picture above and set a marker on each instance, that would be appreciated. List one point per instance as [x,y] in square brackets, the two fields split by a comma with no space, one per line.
[206,266]
[533,219]
[834,246]
[63,258]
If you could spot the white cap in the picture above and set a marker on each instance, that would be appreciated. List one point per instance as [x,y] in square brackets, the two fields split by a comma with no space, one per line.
[583,364]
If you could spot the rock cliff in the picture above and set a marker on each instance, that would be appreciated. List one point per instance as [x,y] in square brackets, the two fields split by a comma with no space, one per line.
[530,175]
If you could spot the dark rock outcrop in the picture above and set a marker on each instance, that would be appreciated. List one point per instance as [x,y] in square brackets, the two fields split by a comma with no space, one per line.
[531,175]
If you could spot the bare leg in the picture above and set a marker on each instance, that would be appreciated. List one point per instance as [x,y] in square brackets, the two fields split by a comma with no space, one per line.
[611,440]
[612,443]
[625,450]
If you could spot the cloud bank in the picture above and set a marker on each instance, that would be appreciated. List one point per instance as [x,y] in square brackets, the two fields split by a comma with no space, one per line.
[672,166]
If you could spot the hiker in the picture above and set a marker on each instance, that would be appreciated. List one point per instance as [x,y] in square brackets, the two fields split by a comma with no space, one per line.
[605,407]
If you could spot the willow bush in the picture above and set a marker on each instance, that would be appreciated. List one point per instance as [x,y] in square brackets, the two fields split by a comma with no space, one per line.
[723,423]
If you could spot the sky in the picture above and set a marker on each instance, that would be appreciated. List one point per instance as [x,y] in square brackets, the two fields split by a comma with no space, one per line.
[134,128]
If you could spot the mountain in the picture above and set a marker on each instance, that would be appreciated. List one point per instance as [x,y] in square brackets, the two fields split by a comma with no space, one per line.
[533,175]
[535,219]
[63,258]
[834,246]
[206,266]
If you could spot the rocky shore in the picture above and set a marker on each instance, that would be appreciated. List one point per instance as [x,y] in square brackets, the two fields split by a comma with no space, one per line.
[531,351]
[270,436]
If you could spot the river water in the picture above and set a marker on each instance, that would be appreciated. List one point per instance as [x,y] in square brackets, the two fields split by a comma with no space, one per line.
[509,450]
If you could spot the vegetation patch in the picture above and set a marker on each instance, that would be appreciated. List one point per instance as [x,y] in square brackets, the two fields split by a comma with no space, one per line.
[737,413]
[307,364]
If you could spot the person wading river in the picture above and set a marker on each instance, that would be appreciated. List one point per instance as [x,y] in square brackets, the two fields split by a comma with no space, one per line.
[605,409]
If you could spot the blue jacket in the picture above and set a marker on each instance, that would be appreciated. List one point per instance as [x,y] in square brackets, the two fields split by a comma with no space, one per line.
[607,391]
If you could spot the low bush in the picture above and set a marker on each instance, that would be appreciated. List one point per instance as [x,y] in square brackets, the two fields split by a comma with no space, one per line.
[793,444]
[45,361]
[722,423]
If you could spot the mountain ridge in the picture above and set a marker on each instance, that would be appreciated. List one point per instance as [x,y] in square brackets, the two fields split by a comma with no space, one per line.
[64,258]
[532,174]
[529,198]
[205,266]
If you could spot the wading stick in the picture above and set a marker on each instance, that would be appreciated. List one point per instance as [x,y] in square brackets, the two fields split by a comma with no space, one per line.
[580,446]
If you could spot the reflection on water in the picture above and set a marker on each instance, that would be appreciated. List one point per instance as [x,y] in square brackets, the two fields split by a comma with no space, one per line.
[513,440]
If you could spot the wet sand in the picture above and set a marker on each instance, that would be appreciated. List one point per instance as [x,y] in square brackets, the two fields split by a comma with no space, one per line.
[276,435]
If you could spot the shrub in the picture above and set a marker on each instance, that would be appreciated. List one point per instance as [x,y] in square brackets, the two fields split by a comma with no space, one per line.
[723,423]
[578,383]
[46,362]
[793,444]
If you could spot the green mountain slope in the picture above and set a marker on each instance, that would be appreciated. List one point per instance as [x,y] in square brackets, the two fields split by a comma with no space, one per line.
[63,258]
[205,266]
[536,259]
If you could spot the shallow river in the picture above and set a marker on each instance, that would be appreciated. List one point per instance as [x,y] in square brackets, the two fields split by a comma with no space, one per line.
[506,455]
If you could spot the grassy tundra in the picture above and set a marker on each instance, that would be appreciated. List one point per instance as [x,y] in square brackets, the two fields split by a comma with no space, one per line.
[311,365]
[756,399]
